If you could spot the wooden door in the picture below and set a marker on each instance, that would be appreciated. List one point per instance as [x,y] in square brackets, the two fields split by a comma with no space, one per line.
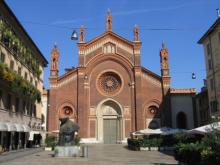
[110,131]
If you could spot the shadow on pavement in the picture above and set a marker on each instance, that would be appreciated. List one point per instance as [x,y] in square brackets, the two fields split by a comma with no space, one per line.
[164,164]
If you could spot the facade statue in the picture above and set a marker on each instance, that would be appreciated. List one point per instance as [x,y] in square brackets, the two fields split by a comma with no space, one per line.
[136,33]
[67,132]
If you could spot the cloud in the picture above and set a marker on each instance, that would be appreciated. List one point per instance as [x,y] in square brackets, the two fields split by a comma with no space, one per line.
[70,21]
[149,10]
[120,13]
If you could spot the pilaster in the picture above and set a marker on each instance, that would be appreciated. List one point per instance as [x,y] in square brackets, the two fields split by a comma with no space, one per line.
[138,99]
[82,102]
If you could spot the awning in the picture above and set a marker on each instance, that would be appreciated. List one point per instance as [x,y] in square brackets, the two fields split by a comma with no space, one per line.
[31,137]
[3,126]
[19,128]
[26,128]
[11,127]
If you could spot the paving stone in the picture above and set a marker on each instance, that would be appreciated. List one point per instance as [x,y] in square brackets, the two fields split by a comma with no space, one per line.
[99,154]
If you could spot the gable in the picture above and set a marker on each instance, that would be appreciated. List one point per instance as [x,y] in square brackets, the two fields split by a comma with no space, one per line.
[109,42]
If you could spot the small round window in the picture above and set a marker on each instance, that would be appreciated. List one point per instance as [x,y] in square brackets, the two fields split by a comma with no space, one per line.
[67,111]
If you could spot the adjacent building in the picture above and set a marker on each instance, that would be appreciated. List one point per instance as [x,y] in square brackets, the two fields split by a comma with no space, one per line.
[182,107]
[21,83]
[202,106]
[109,94]
[211,43]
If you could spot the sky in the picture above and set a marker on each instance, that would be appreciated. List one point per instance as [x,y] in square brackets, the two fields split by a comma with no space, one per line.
[177,23]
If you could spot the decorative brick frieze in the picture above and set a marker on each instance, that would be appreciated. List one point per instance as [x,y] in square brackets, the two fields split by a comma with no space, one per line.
[183,90]
[100,44]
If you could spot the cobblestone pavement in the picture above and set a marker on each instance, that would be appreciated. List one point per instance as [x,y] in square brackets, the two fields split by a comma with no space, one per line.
[18,153]
[98,154]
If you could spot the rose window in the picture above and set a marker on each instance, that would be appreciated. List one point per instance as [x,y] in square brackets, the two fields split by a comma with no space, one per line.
[109,83]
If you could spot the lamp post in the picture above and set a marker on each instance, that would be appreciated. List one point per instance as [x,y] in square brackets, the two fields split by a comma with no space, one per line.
[74,35]
[193,75]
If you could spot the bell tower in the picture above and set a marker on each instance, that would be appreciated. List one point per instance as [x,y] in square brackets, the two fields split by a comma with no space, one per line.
[54,61]
[165,71]
[166,120]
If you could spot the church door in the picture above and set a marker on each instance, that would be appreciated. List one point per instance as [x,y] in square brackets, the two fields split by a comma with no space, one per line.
[110,131]
[110,122]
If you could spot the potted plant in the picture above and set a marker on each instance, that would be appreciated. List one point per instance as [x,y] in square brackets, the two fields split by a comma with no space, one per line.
[50,143]
[145,146]
[134,144]
[155,143]
[77,140]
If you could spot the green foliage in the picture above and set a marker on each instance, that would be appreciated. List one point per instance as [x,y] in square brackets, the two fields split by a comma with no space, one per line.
[168,141]
[212,150]
[135,144]
[77,140]
[155,142]
[161,141]
[50,141]
[204,152]
[185,138]
[188,153]
[18,84]
[18,48]
[207,156]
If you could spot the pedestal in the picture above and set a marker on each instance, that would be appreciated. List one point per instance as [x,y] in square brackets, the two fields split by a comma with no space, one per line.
[67,151]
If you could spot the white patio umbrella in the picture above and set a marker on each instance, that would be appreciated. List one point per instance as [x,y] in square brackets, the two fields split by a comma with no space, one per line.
[150,131]
[169,131]
[206,128]
[162,131]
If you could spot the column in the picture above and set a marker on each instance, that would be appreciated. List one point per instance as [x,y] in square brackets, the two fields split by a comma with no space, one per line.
[19,140]
[25,140]
[133,108]
[10,139]
[1,138]
[138,99]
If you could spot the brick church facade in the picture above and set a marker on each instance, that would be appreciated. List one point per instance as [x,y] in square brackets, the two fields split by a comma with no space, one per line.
[109,94]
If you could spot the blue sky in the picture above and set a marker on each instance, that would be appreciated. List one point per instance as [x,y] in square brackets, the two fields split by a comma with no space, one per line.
[50,21]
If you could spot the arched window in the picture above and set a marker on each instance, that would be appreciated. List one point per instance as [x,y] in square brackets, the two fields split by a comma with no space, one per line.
[54,64]
[181,120]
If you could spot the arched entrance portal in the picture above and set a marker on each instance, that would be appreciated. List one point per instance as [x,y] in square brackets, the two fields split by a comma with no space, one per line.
[110,119]
[181,120]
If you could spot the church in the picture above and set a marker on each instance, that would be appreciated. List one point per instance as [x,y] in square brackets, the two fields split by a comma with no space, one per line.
[109,94]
